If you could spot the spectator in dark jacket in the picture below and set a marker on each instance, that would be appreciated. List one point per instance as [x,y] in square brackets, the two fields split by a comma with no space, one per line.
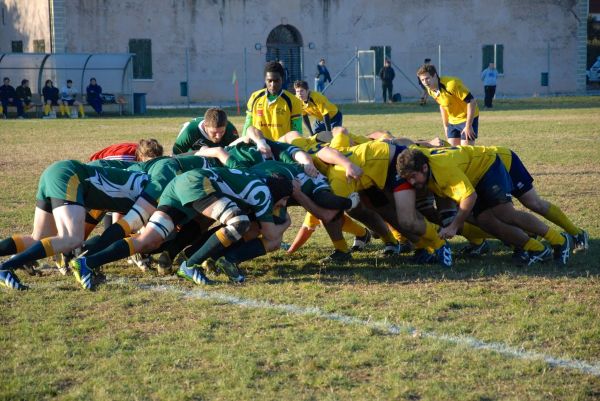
[93,92]
[24,94]
[8,97]
[50,95]
[387,75]
[322,76]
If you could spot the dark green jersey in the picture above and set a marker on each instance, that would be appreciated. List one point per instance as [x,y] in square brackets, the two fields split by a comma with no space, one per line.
[122,164]
[245,155]
[248,191]
[93,187]
[162,170]
[193,136]
[309,185]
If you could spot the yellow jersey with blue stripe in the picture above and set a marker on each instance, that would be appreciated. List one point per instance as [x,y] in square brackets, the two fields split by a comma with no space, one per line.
[273,117]
[451,96]
[317,106]
[456,171]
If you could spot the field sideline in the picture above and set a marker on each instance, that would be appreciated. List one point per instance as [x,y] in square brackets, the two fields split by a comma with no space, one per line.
[378,329]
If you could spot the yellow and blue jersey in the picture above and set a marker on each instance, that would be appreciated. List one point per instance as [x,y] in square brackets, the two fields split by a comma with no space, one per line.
[317,106]
[273,117]
[452,97]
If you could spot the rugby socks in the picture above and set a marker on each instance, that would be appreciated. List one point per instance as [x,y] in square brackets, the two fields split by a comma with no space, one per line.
[243,251]
[533,245]
[116,251]
[81,113]
[431,235]
[46,109]
[303,235]
[61,108]
[217,242]
[556,216]
[554,237]
[474,234]
[115,232]
[341,245]
[12,245]
[39,250]
[352,227]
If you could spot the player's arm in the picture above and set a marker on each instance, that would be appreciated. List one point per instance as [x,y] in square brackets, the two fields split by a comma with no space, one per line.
[465,206]
[217,153]
[297,123]
[333,156]
[306,161]
[321,213]
[248,122]
[261,142]
[444,114]
[471,107]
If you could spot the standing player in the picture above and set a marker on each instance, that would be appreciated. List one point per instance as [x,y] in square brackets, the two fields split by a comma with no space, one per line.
[315,104]
[273,110]
[458,107]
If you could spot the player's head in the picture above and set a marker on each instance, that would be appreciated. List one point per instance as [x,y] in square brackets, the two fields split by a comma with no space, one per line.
[301,89]
[386,62]
[148,149]
[92,81]
[49,83]
[24,82]
[427,61]
[274,73]
[69,83]
[413,166]
[6,80]
[428,76]
[215,124]
[281,189]
[322,61]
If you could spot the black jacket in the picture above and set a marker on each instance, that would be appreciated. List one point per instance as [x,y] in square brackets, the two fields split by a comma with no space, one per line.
[387,75]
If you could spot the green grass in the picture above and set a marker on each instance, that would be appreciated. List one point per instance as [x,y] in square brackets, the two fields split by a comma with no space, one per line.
[130,342]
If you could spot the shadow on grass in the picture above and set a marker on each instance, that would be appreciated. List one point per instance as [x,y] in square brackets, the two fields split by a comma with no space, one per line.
[370,267]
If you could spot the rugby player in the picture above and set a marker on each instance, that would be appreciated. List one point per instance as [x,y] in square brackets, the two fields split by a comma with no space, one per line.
[212,130]
[273,110]
[315,104]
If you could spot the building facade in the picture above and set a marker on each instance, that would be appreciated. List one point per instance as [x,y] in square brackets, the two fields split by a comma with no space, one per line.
[210,44]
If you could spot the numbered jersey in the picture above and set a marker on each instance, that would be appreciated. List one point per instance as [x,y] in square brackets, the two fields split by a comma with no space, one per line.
[248,191]
[193,136]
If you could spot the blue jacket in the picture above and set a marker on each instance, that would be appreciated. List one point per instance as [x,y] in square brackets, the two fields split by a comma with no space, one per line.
[489,76]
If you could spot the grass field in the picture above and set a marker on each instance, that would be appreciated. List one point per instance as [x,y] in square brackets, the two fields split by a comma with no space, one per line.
[378,329]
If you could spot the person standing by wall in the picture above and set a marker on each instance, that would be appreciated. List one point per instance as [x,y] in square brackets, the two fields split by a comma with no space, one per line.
[387,76]
[322,76]
[489,76]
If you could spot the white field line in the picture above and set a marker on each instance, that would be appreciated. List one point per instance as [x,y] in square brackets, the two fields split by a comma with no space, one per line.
[394,329]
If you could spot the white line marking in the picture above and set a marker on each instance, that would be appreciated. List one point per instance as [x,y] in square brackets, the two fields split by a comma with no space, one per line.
[395,329]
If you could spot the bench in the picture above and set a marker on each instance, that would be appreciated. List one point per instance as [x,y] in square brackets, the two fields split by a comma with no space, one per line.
[38,106]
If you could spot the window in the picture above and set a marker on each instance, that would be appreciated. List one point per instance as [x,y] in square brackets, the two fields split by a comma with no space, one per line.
[381,53]
[17,46]
[142,60]
[39,46]
[493,54]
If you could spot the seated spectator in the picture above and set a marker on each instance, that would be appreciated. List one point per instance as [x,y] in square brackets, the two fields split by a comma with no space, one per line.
[8,97]
[24,94]
[68,97]
[50,95]
[93,92]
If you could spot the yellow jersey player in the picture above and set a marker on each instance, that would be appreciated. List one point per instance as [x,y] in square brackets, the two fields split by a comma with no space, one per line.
[315,104]
[458,107]
[273,110]
[477,179]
